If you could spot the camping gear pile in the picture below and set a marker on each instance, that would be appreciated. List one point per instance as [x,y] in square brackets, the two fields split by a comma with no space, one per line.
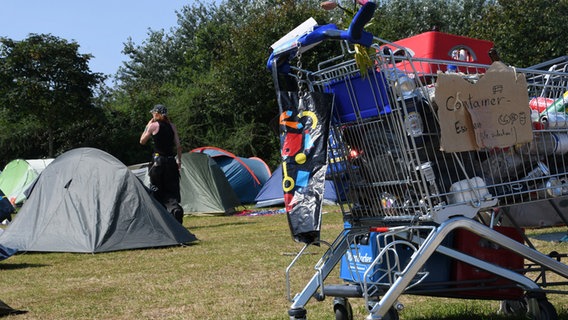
[434,148]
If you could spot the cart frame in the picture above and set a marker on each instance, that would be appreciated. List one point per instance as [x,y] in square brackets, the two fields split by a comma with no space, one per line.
[429,205]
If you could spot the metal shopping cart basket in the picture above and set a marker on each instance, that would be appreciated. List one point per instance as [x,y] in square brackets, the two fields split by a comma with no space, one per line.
[410,207]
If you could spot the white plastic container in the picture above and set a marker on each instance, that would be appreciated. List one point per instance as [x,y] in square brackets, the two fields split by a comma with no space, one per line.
[469,190]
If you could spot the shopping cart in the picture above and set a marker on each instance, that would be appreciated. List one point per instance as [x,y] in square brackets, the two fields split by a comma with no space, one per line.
[413,213]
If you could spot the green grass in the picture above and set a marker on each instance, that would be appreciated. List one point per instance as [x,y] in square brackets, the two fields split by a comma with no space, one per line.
[235,271]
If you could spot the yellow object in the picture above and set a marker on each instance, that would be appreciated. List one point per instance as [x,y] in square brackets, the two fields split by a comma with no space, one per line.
[362,59]
[300,158]
[287,181]
[312,116]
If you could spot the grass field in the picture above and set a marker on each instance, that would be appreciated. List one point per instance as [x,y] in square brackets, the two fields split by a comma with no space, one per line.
[235,271]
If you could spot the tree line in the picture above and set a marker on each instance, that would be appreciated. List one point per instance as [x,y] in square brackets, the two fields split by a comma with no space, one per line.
[210,70]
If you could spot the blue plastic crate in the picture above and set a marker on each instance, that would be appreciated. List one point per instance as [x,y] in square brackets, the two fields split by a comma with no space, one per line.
[356,261]
[359,98]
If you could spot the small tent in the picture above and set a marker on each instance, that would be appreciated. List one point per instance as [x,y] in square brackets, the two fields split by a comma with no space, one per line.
[18,175]
[88,201]
[272,193]
[245,175]
[6,207]
[203,186]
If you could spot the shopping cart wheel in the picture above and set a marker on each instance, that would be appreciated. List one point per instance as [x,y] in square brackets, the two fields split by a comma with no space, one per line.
[297,314]
[392,314]
[513,307]
[342,309]
[535,308]
[546,310]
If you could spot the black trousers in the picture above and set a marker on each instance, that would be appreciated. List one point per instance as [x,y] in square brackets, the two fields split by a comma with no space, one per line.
[165,178]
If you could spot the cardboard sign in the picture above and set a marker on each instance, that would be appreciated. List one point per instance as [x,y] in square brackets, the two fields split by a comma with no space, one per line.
[494,112]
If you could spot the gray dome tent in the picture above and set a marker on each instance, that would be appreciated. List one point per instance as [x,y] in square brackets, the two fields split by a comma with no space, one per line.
[88,201]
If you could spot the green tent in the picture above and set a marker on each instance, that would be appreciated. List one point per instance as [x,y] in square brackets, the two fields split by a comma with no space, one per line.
[18,175]
[204,187]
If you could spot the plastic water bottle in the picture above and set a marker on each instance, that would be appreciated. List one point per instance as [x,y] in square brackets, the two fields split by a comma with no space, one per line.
[541,169]
[529,181]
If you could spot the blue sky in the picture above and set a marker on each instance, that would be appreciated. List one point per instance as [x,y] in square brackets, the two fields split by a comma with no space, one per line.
[100,27]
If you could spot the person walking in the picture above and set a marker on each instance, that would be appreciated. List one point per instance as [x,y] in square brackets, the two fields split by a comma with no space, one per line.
[166,160]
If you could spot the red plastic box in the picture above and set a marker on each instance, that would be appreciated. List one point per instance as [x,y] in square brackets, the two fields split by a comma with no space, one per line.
[476,246]
[445,46]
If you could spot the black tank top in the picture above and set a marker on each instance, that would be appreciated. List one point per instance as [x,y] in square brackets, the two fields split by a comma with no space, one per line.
[164,140]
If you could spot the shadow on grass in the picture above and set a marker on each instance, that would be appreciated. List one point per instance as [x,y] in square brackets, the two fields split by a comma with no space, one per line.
[16,266]
[551,236]
[469,316]
[212,226]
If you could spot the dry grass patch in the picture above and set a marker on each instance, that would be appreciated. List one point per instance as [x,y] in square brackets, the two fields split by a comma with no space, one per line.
[235,271]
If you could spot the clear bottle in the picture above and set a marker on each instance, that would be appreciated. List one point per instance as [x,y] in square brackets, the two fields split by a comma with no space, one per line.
[527,183]
[539,170]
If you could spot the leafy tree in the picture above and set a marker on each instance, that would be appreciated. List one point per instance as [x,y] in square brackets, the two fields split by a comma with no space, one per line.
[525,32]
[211,69]
[238,91]
[221,93]
[46,89]
[151,64]
[142,82]
[398,19]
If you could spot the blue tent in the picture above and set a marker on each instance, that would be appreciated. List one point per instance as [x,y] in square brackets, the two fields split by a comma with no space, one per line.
[6,208]
[272,194]
[5,252]
[246,175]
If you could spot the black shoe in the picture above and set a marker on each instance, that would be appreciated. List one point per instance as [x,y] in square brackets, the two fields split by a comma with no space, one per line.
[178,214]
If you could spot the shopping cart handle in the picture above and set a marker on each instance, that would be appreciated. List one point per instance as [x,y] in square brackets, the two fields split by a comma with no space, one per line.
[354,34]
[365,14]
